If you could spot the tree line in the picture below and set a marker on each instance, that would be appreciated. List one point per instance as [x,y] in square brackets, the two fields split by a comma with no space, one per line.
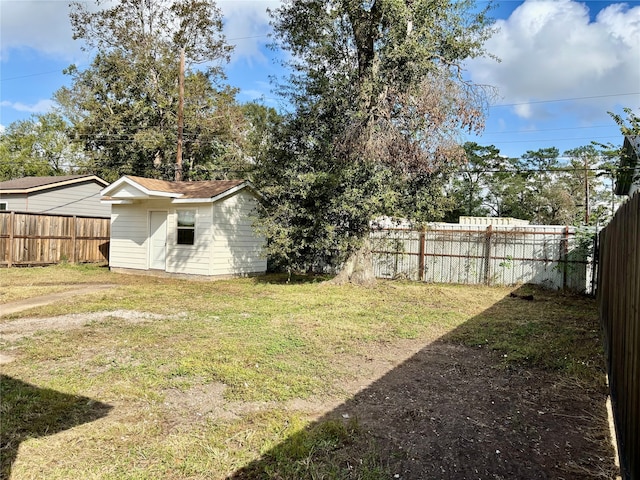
[376,99]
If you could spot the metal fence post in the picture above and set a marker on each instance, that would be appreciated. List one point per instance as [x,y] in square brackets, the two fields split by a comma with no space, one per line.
[565,255]
[487,255]
[422,254]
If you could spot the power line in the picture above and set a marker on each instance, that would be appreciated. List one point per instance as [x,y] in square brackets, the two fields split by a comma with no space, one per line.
[564,99]
[30,75]
[519,132]
[59,71]
[559,139]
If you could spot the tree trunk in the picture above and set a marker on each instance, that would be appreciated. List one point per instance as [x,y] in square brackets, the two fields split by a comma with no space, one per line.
[358,268]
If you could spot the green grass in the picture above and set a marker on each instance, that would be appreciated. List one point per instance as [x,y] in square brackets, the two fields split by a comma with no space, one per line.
[265,342]
[554,332]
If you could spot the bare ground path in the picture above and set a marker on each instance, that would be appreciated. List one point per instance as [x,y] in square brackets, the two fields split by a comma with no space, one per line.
[21,305]
[18,328]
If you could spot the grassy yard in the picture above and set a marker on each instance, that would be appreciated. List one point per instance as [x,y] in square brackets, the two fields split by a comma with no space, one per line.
[174,379]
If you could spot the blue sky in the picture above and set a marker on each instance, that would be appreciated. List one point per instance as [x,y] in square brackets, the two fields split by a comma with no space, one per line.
[564,64]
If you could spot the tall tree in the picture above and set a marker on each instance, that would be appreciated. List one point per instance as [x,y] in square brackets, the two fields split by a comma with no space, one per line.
[540,166]
[581,181]
[124,106]
[625,171]
[378,96]
[506,194]
[261,124]
[469,186]
[38,146]
[536,187]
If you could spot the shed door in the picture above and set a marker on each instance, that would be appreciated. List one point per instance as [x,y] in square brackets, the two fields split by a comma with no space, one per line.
[158,240]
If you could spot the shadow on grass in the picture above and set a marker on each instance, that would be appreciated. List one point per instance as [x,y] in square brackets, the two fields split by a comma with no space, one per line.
[516,392]
[28,411]
[294,279]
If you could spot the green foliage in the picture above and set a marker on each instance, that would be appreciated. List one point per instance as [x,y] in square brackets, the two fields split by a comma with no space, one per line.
[629,125]
[536,187]
[377,100]
[585,186]
[38,146]
[124,106]
[555,331]
[469,186]
[261,124]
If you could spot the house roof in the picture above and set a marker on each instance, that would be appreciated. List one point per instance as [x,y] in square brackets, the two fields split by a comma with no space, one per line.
[629,163]
[179,192]
[34,184]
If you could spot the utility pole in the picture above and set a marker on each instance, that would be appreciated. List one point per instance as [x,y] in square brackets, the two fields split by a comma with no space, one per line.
[586,190]
[178,177]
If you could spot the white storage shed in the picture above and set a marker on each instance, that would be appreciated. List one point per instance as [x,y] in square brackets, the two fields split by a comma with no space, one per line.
[202,228]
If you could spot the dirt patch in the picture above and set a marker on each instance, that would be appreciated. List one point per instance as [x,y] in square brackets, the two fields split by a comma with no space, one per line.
[24,327]
[454,412]
[443,411]
[207,403]
[451,412]
[39,301]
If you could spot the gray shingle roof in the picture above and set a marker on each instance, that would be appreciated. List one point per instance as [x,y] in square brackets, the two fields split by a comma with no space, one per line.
[32,183]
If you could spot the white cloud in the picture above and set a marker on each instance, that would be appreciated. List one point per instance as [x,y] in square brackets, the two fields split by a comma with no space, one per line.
[252,94]
[552,50]
[246,25]
[42,106]
[44,26]
[41,25]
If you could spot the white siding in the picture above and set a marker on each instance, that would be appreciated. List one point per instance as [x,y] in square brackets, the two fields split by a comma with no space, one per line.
[77,199]
[190,259]
[129,236]
[237,249]
[225,242]
[129,191]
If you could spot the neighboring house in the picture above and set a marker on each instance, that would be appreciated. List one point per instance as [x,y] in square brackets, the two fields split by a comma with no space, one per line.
[192,228]
[504,221]
[63,195]
[628,178]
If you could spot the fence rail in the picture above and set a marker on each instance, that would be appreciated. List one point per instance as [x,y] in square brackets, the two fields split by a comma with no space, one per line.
[557,257]
[42,239]
[619,305]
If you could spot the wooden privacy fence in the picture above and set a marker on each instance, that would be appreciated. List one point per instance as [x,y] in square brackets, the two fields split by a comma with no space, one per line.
[553,256]
[41,239]
[619,304]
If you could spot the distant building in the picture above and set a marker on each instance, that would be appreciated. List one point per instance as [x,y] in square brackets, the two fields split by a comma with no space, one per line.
[503,221]
[63,195]
[628,177]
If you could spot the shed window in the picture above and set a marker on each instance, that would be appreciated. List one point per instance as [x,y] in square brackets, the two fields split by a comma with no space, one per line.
[3,205]
[186,227]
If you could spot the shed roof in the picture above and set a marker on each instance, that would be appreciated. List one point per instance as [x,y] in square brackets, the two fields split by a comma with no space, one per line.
[33,184]
[180,192]
[199,189]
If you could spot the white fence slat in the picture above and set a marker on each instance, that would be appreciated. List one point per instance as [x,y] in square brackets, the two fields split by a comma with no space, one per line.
[553,256]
